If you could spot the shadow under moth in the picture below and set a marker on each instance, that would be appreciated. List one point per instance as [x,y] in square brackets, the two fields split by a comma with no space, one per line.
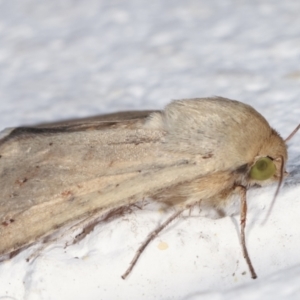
[205,151]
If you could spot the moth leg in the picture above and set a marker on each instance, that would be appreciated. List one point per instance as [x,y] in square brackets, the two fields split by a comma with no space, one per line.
[243,217]
[151,236]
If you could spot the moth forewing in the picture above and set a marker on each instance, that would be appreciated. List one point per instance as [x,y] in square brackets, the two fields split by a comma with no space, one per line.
[196,151]
[50,176]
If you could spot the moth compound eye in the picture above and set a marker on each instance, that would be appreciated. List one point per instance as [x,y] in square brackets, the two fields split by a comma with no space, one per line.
[263,169]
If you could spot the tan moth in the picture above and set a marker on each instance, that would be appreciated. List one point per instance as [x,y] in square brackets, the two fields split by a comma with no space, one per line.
[203,151]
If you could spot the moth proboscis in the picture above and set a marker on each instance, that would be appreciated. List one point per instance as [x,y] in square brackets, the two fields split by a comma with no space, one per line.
[202,151]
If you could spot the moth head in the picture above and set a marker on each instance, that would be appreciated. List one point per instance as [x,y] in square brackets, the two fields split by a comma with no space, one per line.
[269,164]
[272,167]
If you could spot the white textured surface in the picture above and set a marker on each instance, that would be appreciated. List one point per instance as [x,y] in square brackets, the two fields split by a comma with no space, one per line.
[62,59]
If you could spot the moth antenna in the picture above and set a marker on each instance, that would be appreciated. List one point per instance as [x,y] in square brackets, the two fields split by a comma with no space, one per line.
[150,237]
[243,225]
[277,189]
[292,134]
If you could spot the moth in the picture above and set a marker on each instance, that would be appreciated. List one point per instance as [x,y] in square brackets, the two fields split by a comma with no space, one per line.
[206,151]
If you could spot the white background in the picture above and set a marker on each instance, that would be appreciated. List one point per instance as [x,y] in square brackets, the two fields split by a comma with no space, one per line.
[66,59]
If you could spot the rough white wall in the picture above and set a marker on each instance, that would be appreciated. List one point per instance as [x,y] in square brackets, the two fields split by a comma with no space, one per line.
[63,59]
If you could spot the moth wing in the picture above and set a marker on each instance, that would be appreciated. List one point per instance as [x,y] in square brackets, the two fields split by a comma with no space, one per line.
[50,175]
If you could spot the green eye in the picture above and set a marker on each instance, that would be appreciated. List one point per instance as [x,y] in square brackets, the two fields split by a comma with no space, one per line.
[263,169]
